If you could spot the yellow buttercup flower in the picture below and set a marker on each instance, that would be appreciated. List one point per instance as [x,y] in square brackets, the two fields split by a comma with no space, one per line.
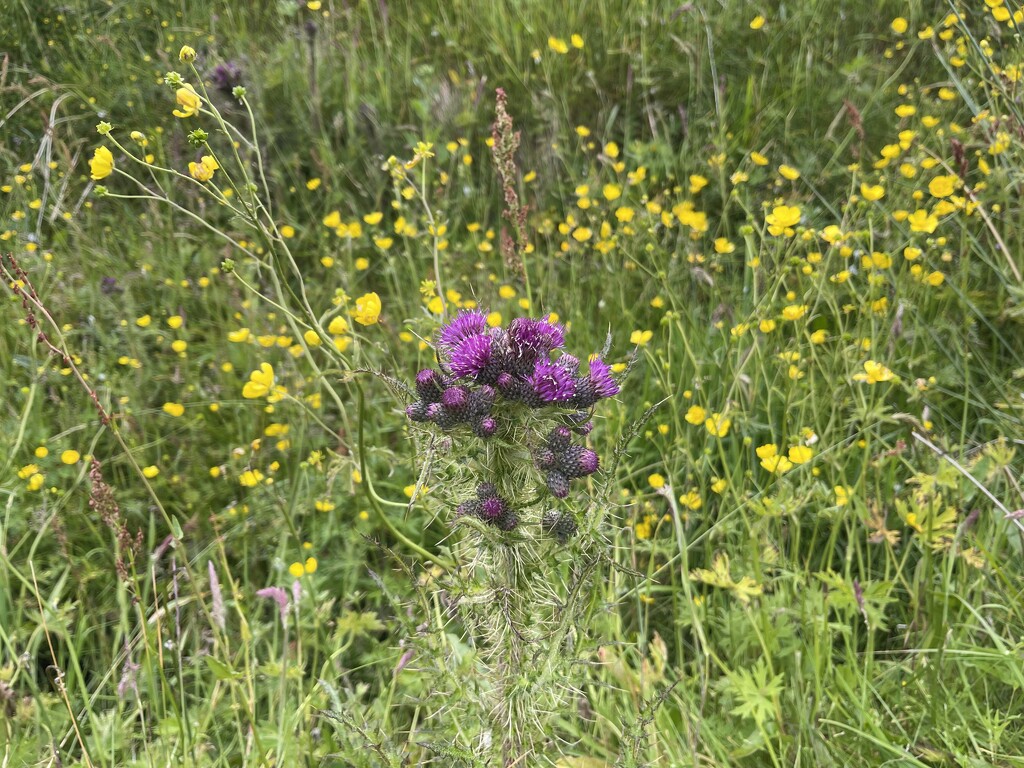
[874,373]
[250,478]
[367,311]
[922,221]
[695,415]
[942,186]
[794,311]
[800,454]
[186,54]
[102,164]
[260,382]
[203,170]
[718,425]
[872,192]
[174,409]
[558,45]
[188,100]
[789,172]
[782,219]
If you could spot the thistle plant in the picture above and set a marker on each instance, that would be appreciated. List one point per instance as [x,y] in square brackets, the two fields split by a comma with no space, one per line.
[516,409]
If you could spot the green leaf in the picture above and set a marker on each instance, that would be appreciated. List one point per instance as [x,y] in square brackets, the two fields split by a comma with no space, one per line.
[756,692]
[220,670]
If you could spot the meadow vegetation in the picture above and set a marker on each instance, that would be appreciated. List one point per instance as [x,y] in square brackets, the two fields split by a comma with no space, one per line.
[241,527]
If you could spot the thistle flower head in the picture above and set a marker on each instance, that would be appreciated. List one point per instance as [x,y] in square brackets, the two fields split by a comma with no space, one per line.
[481,400]
[485,373]
[470,356]
[464,325]
[568,362]
[532,338]
[226,76]
[492,508]
[551,382]
[601,378]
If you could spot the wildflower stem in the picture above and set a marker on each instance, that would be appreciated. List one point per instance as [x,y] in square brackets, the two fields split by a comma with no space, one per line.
[376,501]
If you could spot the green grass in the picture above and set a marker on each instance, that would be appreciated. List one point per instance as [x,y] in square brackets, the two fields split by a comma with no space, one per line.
[862,606]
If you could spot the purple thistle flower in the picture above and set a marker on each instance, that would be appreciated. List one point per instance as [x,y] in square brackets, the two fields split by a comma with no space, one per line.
[569,362]
[471,356]
[493,508]
[601,378]
[465,324]
[558,484]
[584,429]
[551,382]
[511,388]
[529,339]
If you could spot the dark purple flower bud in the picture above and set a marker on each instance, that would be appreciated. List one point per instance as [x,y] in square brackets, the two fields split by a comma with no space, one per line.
[584,429]
[485,427]
[471,508]
[568,462]
[486,491]
[226,76]
[586,392]
[577,461]
[559,438]
[418,411]
[558,484]
[481,400]
[544,458]
[512,388]
[507,521]
[471,356]
[551,383]
[441,416]
[587,463]
[465,324]
[493,508]
[456,400]
[560,525]
[429,385]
